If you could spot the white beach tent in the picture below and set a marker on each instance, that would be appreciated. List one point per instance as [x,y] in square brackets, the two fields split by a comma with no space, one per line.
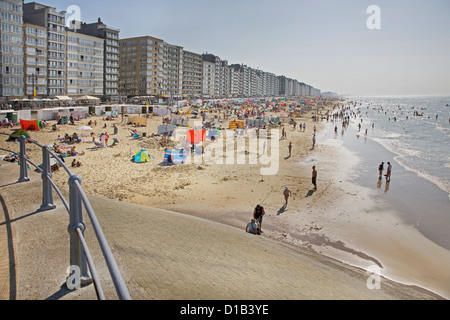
[90,98]
[84,128]
[63,98]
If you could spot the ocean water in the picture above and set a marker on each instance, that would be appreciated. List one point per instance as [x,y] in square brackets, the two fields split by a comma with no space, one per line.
[415,129]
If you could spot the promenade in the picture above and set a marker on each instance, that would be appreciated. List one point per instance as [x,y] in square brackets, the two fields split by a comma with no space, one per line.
[163,256]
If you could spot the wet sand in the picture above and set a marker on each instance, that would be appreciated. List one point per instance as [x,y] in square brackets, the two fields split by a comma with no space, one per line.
[409,229]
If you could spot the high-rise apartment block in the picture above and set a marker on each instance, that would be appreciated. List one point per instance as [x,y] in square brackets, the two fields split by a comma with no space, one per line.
[11,54]
[85,63]
[141,66]
[54,21]
[192,74]
[111,55]
[35,50]
[173,70]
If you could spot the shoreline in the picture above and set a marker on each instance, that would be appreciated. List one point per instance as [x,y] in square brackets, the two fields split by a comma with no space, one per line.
[409,253]
[327,221]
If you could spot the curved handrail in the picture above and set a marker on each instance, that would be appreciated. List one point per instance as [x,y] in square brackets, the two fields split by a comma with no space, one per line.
[119,283]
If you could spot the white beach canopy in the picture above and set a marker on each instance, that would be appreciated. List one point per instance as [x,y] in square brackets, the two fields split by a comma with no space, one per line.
[66,98]
[88,98]
[85,128]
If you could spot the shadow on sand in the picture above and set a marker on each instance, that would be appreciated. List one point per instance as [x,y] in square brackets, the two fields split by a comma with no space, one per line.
[282,210]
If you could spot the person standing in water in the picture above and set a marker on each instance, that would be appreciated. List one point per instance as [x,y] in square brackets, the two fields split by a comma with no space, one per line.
[380,170]
[388,173]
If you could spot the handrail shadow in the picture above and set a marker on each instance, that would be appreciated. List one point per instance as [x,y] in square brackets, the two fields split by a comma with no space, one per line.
[11,256]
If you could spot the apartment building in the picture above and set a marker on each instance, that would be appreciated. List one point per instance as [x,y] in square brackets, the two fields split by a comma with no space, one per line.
[111,55]
[173,71]
[192,74]
[35,56]
[215,76]
[141,67]
[54,22]
[11,54]
[208,75]
[85,65]
[221,82]
[234,80]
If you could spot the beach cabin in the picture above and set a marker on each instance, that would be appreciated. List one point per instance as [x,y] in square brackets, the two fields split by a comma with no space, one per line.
[111,110]
[27,114]
[11,115]
[56,113]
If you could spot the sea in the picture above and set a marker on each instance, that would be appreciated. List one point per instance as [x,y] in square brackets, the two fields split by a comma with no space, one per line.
[415,129]
[413,134]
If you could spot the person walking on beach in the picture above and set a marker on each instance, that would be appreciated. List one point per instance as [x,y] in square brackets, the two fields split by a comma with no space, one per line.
[313,141]
[314,177]
[258,215]
[287,193]
[380,170]
[388,172]
[290,149]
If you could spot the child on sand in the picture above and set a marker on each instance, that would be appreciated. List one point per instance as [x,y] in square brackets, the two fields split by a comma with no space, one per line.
[252,227]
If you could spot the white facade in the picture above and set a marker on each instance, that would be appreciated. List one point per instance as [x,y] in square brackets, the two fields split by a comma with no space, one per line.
[35,60]
[209,76]
[85,65]
[11,54]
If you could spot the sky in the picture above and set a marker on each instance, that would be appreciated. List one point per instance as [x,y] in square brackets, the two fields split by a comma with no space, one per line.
[324,43]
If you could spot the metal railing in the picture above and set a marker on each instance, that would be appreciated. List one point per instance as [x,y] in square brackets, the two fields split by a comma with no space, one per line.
[79,251]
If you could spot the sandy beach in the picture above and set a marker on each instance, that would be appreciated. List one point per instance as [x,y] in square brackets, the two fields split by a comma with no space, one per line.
[341,219]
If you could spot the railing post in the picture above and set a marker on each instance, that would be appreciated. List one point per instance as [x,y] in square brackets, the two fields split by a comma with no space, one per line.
[23,161]
[77,257]
[47,192]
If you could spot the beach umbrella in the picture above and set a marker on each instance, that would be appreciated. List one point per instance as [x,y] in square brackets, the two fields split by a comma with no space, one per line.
[141,156]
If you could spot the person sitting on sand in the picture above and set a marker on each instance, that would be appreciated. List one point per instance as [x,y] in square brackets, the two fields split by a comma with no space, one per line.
[74,153]
[57,149]
[252,227]
[76,163]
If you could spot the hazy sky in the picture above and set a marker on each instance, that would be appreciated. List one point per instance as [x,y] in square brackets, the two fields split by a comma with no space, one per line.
[324,43]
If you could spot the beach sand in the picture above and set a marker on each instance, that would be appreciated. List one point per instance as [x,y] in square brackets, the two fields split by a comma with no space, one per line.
[342,219]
